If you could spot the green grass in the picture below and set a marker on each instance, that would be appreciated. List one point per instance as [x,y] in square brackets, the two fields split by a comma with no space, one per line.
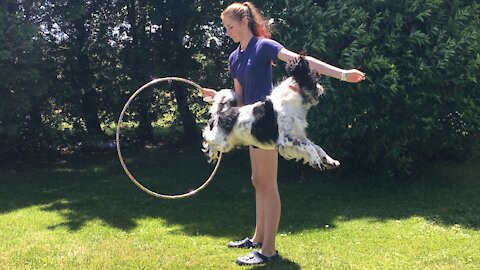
[84,213]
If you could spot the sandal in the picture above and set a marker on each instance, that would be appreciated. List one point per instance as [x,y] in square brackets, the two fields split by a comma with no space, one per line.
[245,243]
[256,257]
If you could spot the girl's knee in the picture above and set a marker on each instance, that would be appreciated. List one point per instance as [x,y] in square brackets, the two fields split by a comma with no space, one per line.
[263,184]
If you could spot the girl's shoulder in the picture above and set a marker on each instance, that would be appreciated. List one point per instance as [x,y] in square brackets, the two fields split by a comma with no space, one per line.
[269,47]
[264,40]
[268,42]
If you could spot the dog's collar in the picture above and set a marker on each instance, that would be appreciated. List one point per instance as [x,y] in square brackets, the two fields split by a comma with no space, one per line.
[294,88]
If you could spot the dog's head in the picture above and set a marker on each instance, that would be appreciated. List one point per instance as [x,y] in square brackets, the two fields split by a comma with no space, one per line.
[307,81]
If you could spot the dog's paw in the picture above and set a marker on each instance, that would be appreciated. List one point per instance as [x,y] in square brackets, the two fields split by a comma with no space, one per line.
[212,156]
[330,163]
[212,159]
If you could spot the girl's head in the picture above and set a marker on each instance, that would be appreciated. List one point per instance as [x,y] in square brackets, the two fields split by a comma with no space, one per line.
[239,18]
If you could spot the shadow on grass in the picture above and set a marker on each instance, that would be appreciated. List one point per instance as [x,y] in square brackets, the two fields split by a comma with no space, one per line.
[95,188]
[281,263]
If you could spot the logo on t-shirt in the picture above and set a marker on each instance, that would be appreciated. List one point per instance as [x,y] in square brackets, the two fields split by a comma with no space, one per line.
[249,62]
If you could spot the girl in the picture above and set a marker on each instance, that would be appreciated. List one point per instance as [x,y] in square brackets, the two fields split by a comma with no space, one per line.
[251,69]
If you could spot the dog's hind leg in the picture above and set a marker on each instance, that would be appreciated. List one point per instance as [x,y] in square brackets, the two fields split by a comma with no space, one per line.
[291,148]
[327,161]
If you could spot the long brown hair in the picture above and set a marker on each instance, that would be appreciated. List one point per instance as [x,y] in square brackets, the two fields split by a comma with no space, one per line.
[256,22]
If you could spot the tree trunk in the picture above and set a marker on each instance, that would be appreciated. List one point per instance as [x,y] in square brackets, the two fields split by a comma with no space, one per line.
[186,116]
[83,77]
[136,62]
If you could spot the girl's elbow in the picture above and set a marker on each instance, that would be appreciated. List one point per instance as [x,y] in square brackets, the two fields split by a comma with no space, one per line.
[286,55]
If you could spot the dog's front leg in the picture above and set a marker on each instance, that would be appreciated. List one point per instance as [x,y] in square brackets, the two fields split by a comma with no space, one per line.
[218,142]
[211,140]
[210,151]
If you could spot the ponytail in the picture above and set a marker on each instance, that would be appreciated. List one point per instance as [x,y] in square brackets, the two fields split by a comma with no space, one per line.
[256,22]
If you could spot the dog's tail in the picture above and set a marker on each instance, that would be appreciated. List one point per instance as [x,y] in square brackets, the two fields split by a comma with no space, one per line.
[269,111]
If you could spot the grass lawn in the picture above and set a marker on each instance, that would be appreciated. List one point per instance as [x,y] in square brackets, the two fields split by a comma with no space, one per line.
[84,213]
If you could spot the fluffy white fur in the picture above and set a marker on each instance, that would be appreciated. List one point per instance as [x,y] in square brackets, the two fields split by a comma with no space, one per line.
[291,111]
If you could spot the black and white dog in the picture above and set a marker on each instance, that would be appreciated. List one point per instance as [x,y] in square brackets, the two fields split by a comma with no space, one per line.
[279,122]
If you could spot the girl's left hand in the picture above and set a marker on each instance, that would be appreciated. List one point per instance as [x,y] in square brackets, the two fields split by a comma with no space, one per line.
[354,75]
[207,92]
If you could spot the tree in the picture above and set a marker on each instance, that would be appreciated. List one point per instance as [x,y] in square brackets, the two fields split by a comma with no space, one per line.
[24,76]
[422,64]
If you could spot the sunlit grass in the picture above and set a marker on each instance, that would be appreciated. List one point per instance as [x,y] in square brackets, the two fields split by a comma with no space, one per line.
[84,213]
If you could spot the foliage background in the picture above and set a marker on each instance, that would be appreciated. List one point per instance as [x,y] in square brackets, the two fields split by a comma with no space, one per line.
[67,67]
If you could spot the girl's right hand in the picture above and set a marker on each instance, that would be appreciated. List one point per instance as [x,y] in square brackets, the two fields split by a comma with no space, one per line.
[354,76]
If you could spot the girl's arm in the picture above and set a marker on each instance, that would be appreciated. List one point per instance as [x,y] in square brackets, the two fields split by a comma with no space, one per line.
[210,93]
[351,75]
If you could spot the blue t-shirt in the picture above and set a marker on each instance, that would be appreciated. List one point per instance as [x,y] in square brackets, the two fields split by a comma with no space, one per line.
[253,68]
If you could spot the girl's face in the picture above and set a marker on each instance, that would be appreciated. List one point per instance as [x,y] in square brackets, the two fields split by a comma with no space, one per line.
[235,29]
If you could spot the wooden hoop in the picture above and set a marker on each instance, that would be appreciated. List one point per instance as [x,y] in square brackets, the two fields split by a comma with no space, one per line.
[119,152]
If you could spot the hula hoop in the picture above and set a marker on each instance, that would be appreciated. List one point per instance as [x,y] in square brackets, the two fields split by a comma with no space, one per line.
[119,152]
